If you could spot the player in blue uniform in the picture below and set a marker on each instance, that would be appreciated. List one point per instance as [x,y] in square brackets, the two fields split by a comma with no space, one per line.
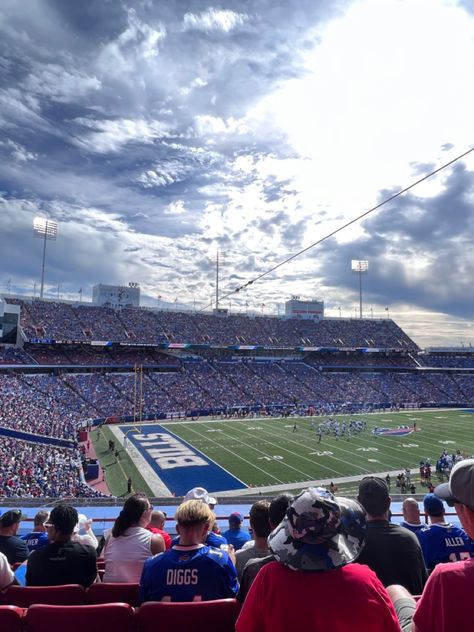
[190,570]
[442,541]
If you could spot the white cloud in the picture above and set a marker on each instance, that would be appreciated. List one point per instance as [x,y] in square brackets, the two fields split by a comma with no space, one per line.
[18,152]
[214,20]
[138,42]
[111,135]
[59,84]
[205,124]
[175,208]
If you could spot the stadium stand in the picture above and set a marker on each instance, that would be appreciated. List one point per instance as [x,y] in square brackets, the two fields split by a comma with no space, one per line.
[79,362]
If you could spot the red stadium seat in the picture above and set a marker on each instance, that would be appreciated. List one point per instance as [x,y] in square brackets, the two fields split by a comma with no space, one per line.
[10,618]
[111,616]
[108,593]
[219,615]
[25,596]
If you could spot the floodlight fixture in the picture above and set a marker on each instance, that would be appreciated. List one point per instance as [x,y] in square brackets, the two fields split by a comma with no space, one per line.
[360,268]
[44,229]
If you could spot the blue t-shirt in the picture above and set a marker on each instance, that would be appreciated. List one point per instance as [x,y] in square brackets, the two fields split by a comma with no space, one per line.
[35,540]
[212,539]
[198,573]
[444,543]
[237,537]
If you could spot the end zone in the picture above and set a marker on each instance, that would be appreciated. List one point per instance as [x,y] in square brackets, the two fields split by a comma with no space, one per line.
[176,463]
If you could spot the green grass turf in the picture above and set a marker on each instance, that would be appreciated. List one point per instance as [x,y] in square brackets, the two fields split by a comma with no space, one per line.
[117,470]
[267,452]
[264,452]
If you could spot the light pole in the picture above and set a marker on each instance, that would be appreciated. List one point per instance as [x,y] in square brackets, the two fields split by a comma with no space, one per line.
[360,268]
[45,229]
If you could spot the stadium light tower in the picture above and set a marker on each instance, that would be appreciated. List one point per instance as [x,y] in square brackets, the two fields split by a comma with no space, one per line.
[360,268]
[45,229]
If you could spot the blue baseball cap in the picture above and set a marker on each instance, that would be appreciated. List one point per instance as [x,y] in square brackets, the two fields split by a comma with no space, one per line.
[236,517]
[433,505]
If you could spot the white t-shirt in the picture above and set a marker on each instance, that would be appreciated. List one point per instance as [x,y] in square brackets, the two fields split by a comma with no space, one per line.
[124,556]
[6,573]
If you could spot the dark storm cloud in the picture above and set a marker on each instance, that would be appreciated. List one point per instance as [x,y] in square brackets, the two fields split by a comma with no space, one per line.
[420,250]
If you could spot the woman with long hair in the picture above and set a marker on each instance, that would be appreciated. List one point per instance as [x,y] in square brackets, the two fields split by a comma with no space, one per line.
[130,543]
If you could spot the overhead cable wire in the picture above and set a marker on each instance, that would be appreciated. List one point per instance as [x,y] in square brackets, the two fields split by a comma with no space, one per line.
[340,228]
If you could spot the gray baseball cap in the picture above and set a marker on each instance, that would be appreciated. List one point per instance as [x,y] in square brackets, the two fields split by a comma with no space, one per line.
[460,488]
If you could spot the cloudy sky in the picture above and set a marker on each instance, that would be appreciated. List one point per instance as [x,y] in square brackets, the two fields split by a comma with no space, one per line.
[159,132]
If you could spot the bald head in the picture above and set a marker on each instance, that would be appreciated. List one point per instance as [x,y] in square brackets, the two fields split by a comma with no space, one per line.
[158,519]
[411,511]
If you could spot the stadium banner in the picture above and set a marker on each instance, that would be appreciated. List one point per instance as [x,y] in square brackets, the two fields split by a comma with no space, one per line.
[35,438]
[177,463]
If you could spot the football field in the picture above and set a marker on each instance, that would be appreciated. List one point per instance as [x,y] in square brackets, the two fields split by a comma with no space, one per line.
[268,452]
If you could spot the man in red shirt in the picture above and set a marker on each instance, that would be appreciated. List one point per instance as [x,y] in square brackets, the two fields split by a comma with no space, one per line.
[445,604]
[156,525]
[313,585]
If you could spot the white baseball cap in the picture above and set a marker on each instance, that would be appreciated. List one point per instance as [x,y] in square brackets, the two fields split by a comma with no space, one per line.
[199,493]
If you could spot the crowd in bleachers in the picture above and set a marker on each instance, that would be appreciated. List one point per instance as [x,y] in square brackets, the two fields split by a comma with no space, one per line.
[445,360]
[76,355]
[13,355]
[81,322]
[50,404]
[34,470]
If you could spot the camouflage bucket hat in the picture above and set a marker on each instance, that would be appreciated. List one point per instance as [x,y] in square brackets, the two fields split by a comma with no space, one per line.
[320,532]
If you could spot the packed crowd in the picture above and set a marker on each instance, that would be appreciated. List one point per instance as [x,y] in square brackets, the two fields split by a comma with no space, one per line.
[86,355]
[34,470]
[416,576]
[63,321]
[53,405]
[445,360]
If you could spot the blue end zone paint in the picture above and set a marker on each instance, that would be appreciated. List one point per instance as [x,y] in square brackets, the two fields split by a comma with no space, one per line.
[181,478]
[397,432]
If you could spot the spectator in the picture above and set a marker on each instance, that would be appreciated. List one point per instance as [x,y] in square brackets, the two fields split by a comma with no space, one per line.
[213,538]
[235,535]
[62,561]
[199,493]
[130,543]
[11,545]
[441,541]
[276,513]
[260,525]
[191,569]
[89,536]
[313,575]
[445,602]
[411,515]
[38,537]
[156,525]
[7,578]
[390,550]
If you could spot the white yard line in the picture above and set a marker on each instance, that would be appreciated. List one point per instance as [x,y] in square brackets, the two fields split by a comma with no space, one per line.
[221,447]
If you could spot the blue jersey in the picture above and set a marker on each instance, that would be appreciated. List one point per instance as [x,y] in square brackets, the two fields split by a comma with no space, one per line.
[212,539]
[237,537]
[444,543]
[188,573]
[35,540]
